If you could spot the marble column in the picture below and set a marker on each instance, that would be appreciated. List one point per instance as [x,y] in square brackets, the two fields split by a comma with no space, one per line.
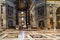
[0,16]
[54,17]
[4,16]
[14,19]
[34,18]
[48,17]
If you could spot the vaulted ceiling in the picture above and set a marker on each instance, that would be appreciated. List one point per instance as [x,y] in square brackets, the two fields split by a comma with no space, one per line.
[24,4]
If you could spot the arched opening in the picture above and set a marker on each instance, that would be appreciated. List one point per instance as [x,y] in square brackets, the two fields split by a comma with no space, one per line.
[41,16]
[41,24]
[10,24]
[58,17]
[23,13]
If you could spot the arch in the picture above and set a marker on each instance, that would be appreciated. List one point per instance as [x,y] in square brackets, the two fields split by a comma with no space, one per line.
[58,11]
[41,24]
[58,17]
[10,24]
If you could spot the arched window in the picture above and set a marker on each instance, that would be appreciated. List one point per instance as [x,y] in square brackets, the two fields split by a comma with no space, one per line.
[41,11]
[10,10]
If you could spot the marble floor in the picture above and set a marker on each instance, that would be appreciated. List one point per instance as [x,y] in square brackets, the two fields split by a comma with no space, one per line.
[12,34]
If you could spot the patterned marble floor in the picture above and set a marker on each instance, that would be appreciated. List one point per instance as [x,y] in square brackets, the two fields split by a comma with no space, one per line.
[12,34]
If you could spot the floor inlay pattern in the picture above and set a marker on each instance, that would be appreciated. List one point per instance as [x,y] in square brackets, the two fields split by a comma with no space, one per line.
[30,35]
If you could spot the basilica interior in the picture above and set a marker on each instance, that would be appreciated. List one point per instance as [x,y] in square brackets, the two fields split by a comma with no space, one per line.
[24,14]
[29,19]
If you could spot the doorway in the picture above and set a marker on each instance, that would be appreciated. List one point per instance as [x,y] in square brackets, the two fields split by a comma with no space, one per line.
[41,24]
[10,24]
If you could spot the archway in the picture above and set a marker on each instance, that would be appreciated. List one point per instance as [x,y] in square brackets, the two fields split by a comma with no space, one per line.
[10,24]
[41,16]
[41,24]
[58,17]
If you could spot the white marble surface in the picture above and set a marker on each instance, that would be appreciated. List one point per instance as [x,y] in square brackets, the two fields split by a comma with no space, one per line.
[27,35]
